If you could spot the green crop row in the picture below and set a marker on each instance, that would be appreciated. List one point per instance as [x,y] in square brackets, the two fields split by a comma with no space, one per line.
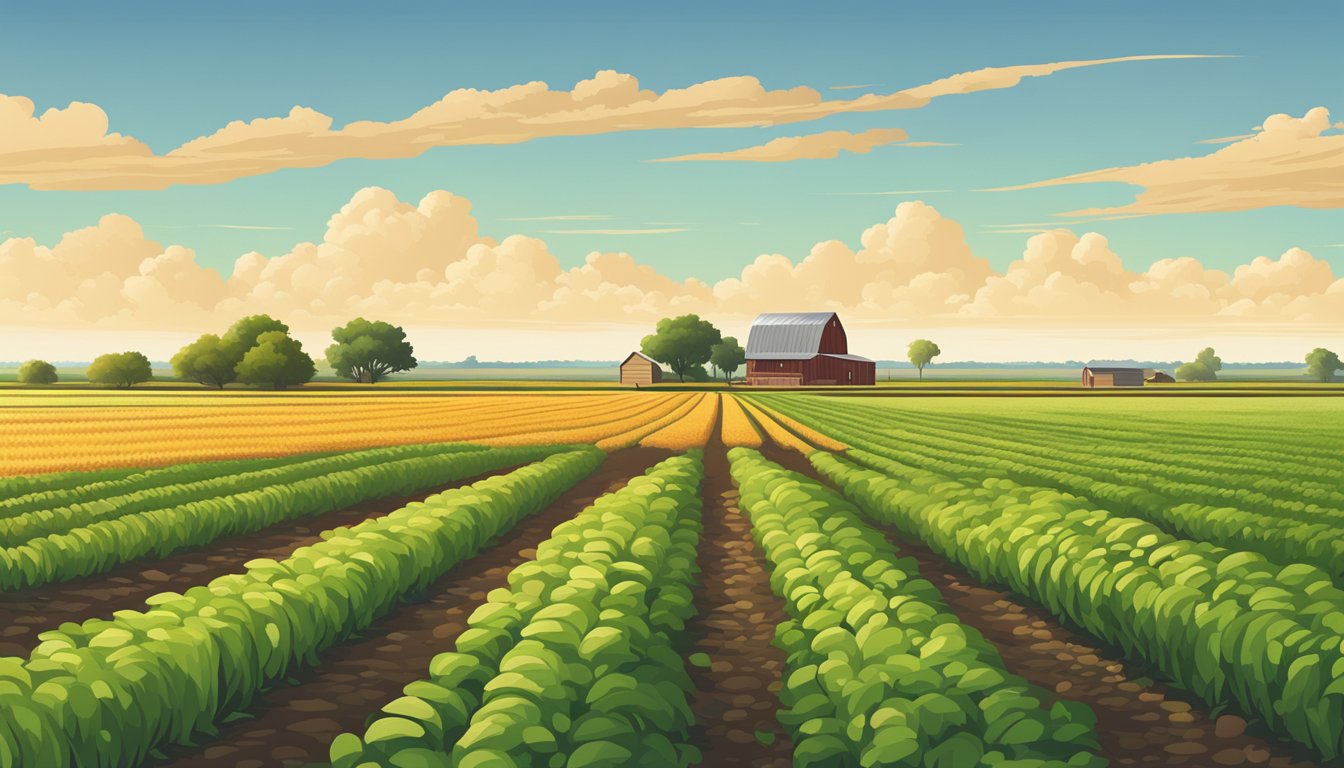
[880,672]
[206,481]
[109,692]
[1155,467]
[574,663]
[1227,626]
[18,486]
[68,488]
[1282,538]
[105,544]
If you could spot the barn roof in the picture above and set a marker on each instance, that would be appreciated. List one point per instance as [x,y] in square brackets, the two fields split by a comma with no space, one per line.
[787,335]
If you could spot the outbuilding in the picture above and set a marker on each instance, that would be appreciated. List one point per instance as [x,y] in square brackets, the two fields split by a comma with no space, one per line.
[1112,377]
[803,349]
[639,369]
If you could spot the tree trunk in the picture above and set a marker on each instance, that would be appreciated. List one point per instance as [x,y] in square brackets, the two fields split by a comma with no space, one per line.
[921,373]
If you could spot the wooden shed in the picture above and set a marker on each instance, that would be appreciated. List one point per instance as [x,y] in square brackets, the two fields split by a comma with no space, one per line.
[1112,377]
[803,349]
[639,369]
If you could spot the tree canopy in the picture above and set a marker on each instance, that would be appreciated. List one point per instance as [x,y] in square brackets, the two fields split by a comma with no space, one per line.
[276,360]
[682,343]
[1204,367]
[120,369]
[367,351]
[921,352]
[209,360]
[242,335]
[37,372]
[1322,364]
[727,356]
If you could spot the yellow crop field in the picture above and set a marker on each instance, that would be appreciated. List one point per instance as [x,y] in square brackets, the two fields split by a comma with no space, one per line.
[75,437]
[693,431]
[737,429]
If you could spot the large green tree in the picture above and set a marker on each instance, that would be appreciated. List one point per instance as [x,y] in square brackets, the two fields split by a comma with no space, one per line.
[37,372]
[276,360]
[682,343]
[1322,364]
[1204,367]
[921,352]
[120,369]
[209,360]
[367,351]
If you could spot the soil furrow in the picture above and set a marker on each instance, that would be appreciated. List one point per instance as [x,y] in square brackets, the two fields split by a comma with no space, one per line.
[294,724]
[1140,720]
[736,697]
[26,613]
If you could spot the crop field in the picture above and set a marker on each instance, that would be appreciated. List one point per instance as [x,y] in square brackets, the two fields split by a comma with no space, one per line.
[601,579]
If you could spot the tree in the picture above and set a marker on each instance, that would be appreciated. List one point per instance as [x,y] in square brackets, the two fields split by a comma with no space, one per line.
[1204,367]
[921,352]
[242,336]
[727,356]
[681,343]
[122,370]
[367,351]
[1321,364]
[277,361]
[37,372]
[209,360]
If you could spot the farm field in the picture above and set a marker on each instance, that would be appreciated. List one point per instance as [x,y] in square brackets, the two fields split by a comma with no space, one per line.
[669,579]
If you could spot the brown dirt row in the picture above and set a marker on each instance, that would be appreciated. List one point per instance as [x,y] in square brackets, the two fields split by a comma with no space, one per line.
[294,724]
[736,697]
[26,613]
[1140,721]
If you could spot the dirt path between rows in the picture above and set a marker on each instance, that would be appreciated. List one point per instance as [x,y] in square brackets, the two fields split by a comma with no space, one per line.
[736,698]
[1140,721]
[294,724]
[26,613]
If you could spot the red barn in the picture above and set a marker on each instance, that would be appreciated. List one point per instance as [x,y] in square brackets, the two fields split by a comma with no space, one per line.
[802,349]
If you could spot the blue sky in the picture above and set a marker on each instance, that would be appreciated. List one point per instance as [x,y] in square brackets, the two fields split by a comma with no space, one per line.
[167,72]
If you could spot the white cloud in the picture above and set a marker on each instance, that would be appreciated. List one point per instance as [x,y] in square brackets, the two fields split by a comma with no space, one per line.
[817,146]
[428,265]
[1288,161]
[72,149]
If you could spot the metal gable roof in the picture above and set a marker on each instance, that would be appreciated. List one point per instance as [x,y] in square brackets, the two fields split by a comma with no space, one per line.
[787,335]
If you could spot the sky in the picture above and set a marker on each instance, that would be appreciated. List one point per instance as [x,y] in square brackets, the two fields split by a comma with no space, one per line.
[535,222]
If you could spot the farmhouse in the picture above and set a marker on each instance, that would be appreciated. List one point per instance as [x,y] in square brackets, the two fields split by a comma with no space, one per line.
[639,368]
[1112,377]
[803,349]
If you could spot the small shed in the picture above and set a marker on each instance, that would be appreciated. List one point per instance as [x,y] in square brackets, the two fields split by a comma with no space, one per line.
[1112,377]
[1159,377]
[639,368]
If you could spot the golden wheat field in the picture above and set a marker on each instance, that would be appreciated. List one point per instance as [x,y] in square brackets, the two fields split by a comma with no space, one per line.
[83,431]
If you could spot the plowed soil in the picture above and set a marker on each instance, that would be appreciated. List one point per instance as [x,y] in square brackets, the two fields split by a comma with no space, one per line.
[736,697]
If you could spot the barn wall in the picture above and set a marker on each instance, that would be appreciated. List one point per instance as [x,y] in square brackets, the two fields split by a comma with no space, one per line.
[818,370]
[833,339]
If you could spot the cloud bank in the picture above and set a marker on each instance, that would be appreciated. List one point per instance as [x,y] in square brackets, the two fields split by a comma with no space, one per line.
[428,265]
[72,148]
[1288,161]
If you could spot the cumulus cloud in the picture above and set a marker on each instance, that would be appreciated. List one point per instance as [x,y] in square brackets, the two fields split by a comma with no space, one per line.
[71,149]
[428,265]
[1289,160]
[816,146]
